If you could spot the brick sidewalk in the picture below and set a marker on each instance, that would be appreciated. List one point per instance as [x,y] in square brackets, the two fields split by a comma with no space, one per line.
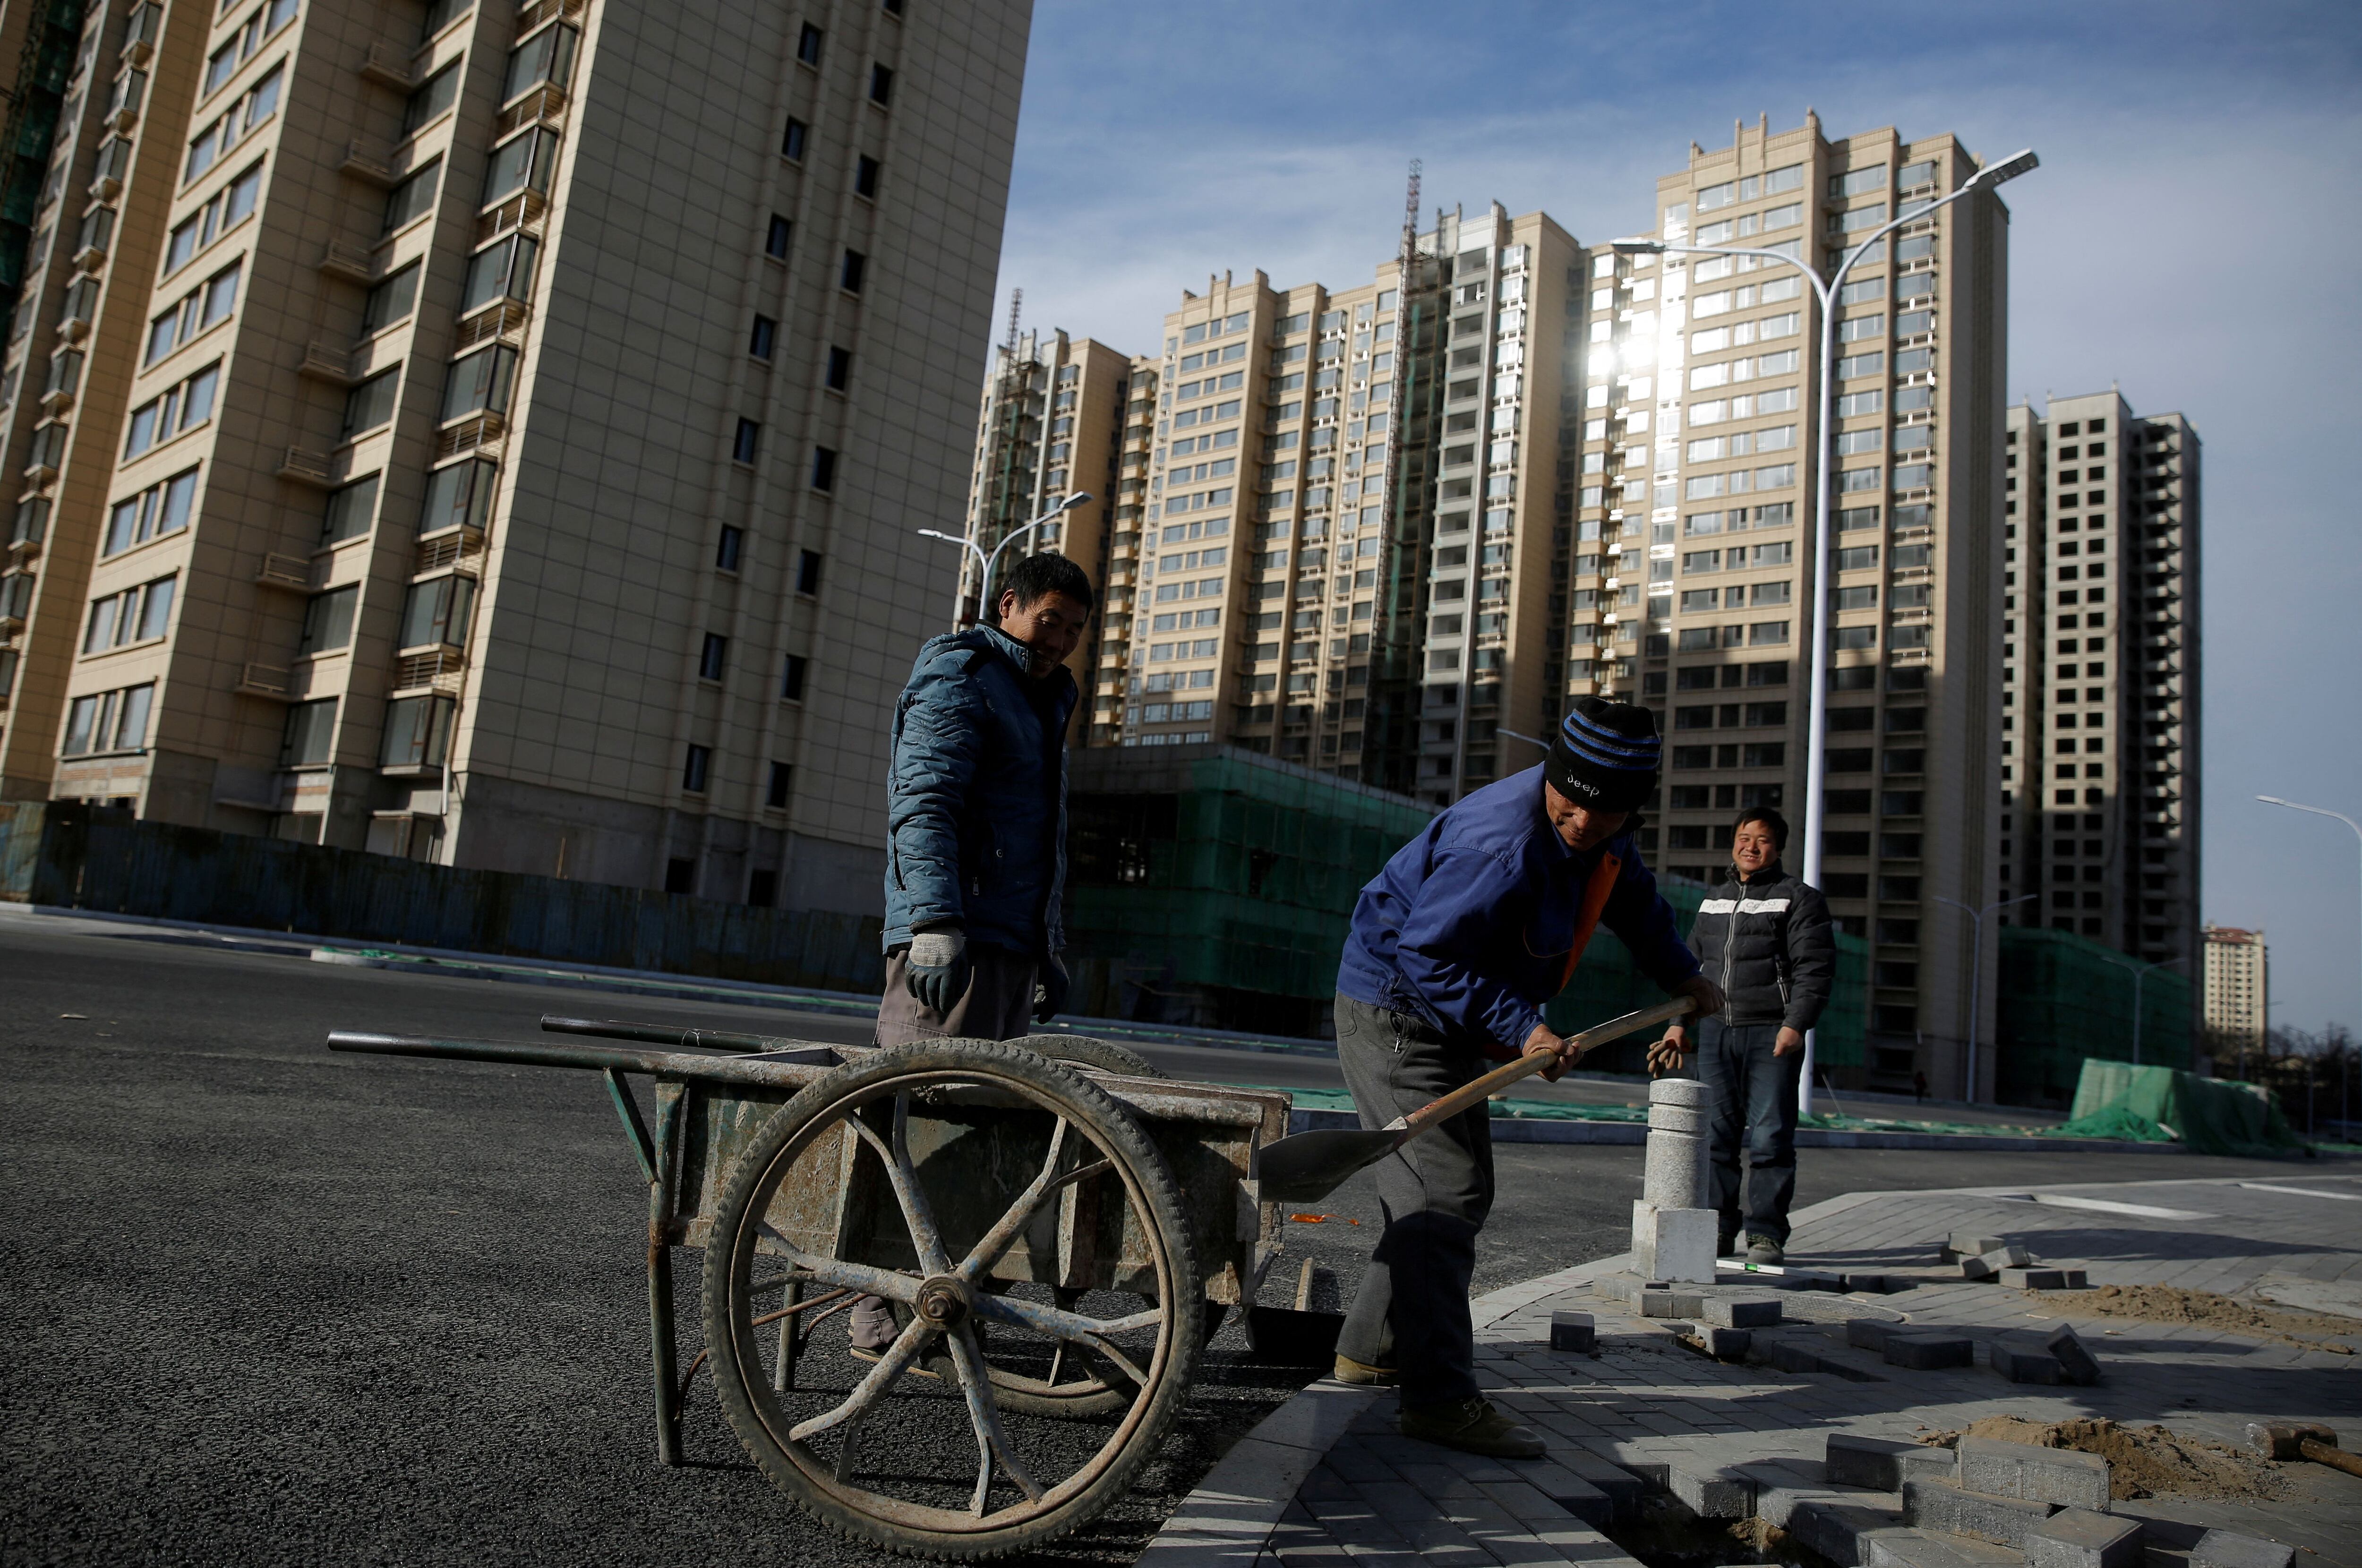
[1332,1480]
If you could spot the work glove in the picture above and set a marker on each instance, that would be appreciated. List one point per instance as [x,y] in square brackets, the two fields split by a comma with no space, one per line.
[938,969]
[1051,984]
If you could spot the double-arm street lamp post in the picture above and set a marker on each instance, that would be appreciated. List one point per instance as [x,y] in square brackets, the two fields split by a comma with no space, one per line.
[984,563]
[1977,976]
[1817,721]
[2320,811]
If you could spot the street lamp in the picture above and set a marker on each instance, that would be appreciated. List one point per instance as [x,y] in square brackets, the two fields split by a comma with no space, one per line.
[2140,973]
[1976,973]
[2319,811]
[1817,722]
[985,563]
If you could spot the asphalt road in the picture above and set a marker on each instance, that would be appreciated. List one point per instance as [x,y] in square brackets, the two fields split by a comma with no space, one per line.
[272,1304]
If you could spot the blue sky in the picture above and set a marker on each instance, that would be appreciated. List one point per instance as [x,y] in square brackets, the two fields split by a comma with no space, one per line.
[2193,235]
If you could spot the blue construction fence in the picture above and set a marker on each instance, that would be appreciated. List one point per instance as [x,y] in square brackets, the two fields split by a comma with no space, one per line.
[103,859]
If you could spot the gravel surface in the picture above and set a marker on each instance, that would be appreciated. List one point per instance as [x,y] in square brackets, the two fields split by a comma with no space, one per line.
[272,1304]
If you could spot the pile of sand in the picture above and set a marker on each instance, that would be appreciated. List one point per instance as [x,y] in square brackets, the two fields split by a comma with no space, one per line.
[2168,1304]
[2142,1461]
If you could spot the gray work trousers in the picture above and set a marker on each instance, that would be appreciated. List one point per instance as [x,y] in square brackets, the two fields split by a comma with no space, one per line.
[1434,1192]
[996,1005]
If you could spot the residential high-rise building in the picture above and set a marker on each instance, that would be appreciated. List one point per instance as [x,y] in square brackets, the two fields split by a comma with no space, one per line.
[2100,721]
[493,434]
[2237,990]
[1702,397]
[1053,423]
[1395,613]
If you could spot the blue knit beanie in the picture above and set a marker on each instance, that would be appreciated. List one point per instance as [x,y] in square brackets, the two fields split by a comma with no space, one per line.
[1606,755]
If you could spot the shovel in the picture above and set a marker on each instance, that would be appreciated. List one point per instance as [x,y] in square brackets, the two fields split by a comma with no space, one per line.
[1308,1167]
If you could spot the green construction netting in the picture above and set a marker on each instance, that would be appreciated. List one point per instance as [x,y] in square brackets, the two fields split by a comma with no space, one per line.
[2207,1116]
[2065,998]
[1559,1110]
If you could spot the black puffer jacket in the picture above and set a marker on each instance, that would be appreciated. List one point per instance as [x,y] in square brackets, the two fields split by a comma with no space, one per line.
[1765,940]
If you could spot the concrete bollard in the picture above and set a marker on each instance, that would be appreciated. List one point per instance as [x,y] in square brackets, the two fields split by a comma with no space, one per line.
[1673,1230]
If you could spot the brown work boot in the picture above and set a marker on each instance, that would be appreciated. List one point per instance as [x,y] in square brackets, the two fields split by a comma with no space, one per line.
[1362,1372]
[1471,1426]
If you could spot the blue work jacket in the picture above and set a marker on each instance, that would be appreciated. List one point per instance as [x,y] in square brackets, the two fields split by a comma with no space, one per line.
[975,795]
[1472,925]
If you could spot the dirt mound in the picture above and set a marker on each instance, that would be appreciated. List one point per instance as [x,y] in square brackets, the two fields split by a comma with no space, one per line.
[2168,1304]
[2142,1461]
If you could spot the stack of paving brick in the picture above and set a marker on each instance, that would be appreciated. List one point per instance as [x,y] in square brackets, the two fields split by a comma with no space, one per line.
[1896,1504]
[1718,1321]
[1996,1258]
[2018,1356]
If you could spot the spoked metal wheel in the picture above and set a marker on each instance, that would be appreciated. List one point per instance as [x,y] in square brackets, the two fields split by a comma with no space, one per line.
[1033,1245]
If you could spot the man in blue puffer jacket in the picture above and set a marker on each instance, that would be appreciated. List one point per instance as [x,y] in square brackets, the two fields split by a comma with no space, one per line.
[975,818]
[975,832]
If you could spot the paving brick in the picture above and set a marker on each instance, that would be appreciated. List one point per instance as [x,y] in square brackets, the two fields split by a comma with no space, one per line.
[1870,1333]
[1942,1507]
[2074,1358]
[1572,1493]
[2079,1538]
[2225,1549]
[1972,1244]
[2035,1474]
[1864,1284]
[1882,1465]
[1842,1532]
[1742,1311]
[2023,1363]
[1623,1488]
[1723,1344]
[1930,1353]
[1912,1549]
[2035,1278]
[1671,1303]
[1572,1331]
[1712,1493]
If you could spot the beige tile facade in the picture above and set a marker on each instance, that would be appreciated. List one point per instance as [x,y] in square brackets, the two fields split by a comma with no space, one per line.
[554,463]
[2100,724]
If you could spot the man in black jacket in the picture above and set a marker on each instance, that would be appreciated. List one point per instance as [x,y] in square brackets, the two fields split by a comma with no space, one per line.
[1764,938]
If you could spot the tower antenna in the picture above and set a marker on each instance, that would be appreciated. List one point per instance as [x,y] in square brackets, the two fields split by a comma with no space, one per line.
[1410,217]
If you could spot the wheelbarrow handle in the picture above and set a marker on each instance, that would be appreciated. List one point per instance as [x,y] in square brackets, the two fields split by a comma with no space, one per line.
[1479,1090]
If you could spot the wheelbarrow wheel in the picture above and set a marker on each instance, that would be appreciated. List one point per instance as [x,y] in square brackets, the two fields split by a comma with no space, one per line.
[873,1448]
[1089,1051]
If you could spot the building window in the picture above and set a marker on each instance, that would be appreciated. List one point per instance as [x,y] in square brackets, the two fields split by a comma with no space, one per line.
[882,85]
[328,620]
[791,146]
[696,767]
[436,613]
[782,782]
[309,737]
[711,658]
[808,46]
[522,164]
[824,469]
[840,369]
[417,732]
[725,558]
[547,55]
[764,341]
[134,616]
[776,238]
[864,178]
[431,100]
[413,199]
[499,272]
[850,276]
[808,573]
[460,495]
[159,510]
[479,382]
[743,444]
[390,302]
[117,721]
[791,678]
[189,404]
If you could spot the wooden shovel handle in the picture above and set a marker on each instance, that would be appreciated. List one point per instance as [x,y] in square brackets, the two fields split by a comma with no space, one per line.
[1477,1091]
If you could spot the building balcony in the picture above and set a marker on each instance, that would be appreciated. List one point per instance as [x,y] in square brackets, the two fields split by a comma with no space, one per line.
[367,165]
[291,573]
[305,467]
[440,669]
[272,682]
[388,67]
[353,263]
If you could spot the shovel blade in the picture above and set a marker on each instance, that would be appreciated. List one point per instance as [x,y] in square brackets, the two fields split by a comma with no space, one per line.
[1308,1167]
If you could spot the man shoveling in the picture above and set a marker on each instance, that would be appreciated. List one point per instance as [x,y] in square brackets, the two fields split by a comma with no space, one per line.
[1455,946]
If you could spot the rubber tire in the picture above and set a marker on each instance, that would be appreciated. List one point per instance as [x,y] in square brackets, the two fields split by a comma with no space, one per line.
[738,1373]
[1090,1052]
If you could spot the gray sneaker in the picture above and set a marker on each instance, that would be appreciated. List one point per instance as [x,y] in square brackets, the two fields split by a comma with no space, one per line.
[1764,1250]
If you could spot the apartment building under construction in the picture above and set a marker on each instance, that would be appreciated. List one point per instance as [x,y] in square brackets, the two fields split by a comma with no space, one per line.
[2100,677]
[496,434]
